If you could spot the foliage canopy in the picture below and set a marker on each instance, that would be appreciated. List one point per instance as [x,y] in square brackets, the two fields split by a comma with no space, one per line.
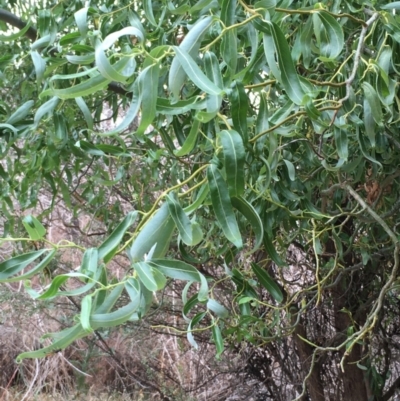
[257,145]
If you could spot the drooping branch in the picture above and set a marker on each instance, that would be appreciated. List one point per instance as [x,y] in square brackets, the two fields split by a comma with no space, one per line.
[32,34]
[16,22]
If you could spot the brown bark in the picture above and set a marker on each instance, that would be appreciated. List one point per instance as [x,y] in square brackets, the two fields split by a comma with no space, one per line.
[352,378]
[305,351]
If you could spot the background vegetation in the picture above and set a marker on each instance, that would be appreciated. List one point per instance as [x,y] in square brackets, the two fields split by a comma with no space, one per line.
[226,172]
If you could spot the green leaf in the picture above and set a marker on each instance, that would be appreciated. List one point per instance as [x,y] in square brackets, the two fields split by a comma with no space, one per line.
[20,113]
[228,12]
[391,6]
[63,339]
[222,206]
[201,196]
[375,106]
[217,308]
[234,157]
[197,319]
[157,231]
[291,169]
[332,40]
[45,108]
[159,279]
[30,273]
[287,74]
[145,274]
[108,248]
[85,111]
[15,36]
[148,11]
[239,105]
[14,265]
[81,21]
[191,45]
[40,66]
[267,282]
[181,220]
[34,227]
[195,74]
[106,69]
[271,251]
[248,211]
[86,308]
[148,90]
[229,50]
[218,340]
[341,140]
[212,69]
[90,262]
[190,141]
[130,115]
[85,88]
[179,270]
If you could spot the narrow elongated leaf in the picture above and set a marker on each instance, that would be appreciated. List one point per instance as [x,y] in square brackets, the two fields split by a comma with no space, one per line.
[234,157]
[63,339]
[228,12]
[341,140]
[222,206]
[182,221]
[148,10]
[176,269]
[262,123]
[110,300]
[148,91]
[179,270]
[201,196]
[34,227]
[372,98]
[190,141]
[212,69]
[287,75]
[45,108]
[108,248]
[197,319]
[191,45]
[195,73]
[40,66]
[239,105]
[15,265]
[30,273]
[86,308]
[217,308]
[229,50]
[17,35]
[248,211]
[20,113]
[130,115]
[332,41]
[218,340]
[391,6]
[85,88]
[116,317]
[267,282]
[158,230]
[90,262]
[291,169]
[272,251]
[85,111]
[145,274]
[81,21]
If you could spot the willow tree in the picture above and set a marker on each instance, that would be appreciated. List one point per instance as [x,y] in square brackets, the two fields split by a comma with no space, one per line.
[258,146]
